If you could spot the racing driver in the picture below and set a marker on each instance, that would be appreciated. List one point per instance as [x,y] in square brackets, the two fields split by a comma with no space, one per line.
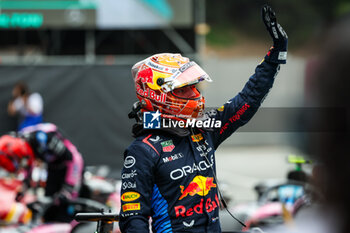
[169,172]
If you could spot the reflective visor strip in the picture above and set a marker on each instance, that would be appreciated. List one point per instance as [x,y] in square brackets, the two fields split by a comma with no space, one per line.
[188,74]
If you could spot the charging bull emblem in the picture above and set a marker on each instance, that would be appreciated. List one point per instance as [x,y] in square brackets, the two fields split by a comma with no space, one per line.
[199,185]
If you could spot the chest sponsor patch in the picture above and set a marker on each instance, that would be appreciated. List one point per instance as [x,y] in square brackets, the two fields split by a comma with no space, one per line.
[186,170]
[200,185]
[188,224]
[173,157]
[168,146]
[197,137]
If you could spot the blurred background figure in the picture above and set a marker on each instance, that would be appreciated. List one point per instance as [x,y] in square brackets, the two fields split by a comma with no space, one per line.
[331,149]
[64,163]
[27,106]
[328,210]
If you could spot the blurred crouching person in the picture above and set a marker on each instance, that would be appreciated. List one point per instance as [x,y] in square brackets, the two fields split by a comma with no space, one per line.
[45,142]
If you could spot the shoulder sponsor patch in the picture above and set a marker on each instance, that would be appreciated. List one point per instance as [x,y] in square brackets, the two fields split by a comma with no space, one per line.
[221,108]
[130,196]
[131,206]
[197,137]
[168,146]
[129,175]
[129,161]
[128,185]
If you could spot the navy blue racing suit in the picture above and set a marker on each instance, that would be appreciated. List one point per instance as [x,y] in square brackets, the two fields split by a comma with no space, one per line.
[170,177]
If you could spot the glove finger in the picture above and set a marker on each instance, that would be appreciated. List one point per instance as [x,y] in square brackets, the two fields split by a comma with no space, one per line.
[265,16]
[268,15]
[272,14]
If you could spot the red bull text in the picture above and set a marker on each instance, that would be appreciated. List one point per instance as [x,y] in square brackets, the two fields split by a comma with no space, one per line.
[210,205]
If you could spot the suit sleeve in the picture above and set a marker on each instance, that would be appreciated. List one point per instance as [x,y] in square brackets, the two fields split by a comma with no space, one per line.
[136,189]
[240,109]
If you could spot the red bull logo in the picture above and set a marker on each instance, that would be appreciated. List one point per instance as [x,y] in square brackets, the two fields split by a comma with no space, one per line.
[151,94]
[199,185]
[146,75]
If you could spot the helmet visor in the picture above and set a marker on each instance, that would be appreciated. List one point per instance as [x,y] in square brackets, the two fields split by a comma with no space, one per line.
[187,92]
[188,74]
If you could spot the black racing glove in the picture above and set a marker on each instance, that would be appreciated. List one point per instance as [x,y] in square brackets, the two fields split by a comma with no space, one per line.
[278,52]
